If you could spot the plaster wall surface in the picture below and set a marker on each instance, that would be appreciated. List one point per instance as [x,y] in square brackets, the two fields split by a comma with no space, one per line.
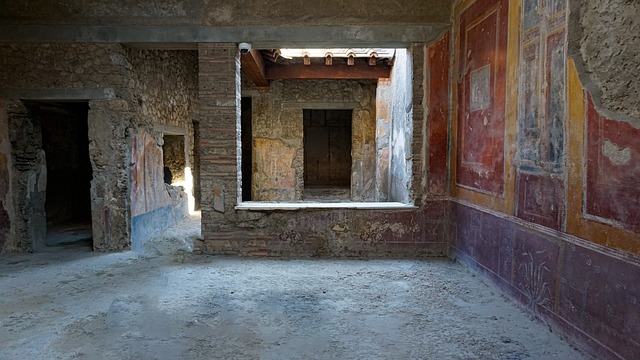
[384,91]
[437,65]
[402,126]
[605,44]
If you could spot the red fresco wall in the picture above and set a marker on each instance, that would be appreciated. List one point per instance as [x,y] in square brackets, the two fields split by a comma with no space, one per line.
[438,119]
[613,170]
[481,96]
[542,114]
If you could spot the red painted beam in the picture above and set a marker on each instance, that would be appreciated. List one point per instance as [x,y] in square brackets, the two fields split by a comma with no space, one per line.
[253,65]
[321,71]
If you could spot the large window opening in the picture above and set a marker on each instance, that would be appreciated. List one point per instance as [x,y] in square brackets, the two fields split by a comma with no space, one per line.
[68,191]
[327,154]
[326,125]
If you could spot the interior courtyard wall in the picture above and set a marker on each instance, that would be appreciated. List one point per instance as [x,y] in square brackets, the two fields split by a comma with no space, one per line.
[278,129]
[128,92]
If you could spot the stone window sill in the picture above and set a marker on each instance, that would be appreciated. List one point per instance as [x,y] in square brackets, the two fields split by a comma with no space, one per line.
[263,205]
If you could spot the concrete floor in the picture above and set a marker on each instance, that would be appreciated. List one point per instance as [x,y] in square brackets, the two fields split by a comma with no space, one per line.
[74,304]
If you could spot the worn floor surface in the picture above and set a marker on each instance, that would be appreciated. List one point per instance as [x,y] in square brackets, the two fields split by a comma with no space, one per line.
[74,304]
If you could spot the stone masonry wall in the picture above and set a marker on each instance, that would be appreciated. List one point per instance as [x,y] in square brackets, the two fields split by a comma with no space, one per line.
[28,180]
[278,129]
[32,69]
[164,86]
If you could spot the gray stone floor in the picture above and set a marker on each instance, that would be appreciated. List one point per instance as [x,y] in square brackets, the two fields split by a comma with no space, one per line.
[74,304]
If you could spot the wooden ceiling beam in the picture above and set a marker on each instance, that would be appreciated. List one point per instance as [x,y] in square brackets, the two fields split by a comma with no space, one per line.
[253,65]
[321,71]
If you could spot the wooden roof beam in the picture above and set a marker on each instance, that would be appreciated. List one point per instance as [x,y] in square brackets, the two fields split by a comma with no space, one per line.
[253,65]
[321,71]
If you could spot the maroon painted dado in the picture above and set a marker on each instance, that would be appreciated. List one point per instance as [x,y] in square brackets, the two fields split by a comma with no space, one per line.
[588,292]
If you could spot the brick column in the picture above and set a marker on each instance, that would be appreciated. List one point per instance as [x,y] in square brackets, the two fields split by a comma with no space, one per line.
[418,182]
[219,101]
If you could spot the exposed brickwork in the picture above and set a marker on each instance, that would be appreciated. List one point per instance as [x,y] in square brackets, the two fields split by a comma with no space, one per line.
[219,102]
[418,185]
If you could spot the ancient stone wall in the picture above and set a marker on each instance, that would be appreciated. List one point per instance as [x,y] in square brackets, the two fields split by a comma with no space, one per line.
[384,92]
[278,129]
[98,73]
[129,92]
[164,86]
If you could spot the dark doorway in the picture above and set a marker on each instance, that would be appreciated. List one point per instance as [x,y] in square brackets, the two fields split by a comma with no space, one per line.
[65,141]
[247,148]
[327,154]
[174,159]
[196,165]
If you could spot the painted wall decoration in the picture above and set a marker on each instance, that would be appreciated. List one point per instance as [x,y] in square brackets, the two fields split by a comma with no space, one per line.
[613,170]
[587,292]
[542,113]
[438,118]
[148,192]
[481,96]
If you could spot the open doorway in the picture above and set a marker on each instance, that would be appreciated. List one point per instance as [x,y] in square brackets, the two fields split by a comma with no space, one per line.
[327,154]
[65,142]
[174,159]
[247,148]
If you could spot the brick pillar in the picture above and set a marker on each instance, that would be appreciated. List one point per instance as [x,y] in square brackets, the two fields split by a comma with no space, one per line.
[219,101]
[418,182]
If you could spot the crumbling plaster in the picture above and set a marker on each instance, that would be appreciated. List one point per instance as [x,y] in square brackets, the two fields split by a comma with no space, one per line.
[604,42]
[132,97]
